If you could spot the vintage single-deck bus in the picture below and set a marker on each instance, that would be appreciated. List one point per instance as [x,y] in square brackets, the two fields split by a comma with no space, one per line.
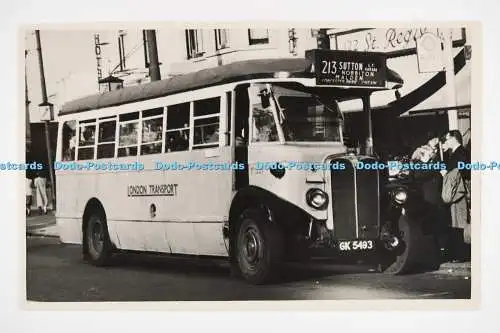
[246,161]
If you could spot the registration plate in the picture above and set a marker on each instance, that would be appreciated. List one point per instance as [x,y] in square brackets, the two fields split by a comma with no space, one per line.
[356,245]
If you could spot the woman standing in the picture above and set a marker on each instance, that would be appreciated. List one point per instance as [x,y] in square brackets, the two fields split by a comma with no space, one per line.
[41,193]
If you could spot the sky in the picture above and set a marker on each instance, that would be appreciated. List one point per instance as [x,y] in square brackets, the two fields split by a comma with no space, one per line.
[70,63]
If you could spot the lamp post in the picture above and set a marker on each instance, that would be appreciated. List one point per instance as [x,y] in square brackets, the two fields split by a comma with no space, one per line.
[46,115]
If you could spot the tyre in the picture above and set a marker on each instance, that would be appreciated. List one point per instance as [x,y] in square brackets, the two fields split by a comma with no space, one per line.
[406,256]
[98,247]
[259,247]
[430,256]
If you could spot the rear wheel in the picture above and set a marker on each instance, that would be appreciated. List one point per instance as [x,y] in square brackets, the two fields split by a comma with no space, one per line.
[98,245]
[259,247]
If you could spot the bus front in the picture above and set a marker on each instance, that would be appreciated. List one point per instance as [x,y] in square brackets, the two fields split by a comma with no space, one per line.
[307,191]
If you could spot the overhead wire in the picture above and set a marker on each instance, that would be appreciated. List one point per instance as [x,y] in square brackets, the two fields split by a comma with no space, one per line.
[134,49]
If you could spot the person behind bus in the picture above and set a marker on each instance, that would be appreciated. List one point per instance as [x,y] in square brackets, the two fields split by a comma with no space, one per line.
[452,142]
[430,182]
[455,193]
[41,193]
[29,194]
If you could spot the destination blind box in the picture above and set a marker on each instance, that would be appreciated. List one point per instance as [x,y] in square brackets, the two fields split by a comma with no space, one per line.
[348,68]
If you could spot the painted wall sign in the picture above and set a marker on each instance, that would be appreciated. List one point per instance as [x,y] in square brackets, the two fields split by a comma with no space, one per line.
[152,190]
[345,68]
[387,40]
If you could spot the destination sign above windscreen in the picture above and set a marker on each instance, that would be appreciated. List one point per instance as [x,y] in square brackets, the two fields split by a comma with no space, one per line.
[349,68]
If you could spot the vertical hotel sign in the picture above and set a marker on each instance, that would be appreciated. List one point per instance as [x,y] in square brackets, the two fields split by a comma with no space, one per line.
[97,49]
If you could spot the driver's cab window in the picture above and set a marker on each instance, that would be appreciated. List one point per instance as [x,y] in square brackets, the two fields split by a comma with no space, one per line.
[263,123]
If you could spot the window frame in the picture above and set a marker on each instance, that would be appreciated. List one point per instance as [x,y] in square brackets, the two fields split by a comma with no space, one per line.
[167,130]
[162,117]
[219,45]
[194,45]
[98,127]
[217,115]
[139,134]
[82,124]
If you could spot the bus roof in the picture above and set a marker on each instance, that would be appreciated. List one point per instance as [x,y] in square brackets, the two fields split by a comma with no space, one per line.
[233,72]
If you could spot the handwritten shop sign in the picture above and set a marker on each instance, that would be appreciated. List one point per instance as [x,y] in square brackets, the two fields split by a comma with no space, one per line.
[388,40]
[345,68]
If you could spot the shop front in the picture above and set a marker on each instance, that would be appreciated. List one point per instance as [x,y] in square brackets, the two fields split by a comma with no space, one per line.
[427,105]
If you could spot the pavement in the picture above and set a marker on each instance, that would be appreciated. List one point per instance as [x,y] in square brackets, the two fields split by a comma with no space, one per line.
[40,225]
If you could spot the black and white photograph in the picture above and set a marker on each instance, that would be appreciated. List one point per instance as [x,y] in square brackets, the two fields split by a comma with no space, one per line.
[224,162]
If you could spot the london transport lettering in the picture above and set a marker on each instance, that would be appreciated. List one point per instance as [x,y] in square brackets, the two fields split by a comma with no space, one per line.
[344,68]
[168,190]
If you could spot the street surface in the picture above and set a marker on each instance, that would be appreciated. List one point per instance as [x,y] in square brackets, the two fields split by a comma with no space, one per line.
[56,272]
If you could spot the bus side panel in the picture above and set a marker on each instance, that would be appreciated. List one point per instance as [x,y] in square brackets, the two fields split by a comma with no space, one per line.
[69,223]
[210,239]
[212,195]
[69,230]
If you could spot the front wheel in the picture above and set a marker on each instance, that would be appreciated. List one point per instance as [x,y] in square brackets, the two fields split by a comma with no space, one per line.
[405,257]
[98,246]
[259,247]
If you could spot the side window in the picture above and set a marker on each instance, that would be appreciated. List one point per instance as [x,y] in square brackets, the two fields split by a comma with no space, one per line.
[106,139]
[128,134]
[177,132]
[87,138]
[69,140]
[206,117]
[152,131]
[263,124]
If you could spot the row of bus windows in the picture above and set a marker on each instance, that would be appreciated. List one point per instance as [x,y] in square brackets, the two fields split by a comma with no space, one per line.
[143,133]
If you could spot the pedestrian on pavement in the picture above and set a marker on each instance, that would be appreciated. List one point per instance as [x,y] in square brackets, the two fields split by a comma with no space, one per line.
[41,193]
[456,193]
[29,195]
[430,183]
[453,143]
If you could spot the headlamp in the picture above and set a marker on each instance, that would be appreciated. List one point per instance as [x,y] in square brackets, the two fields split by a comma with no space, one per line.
[317,198]
[400,196]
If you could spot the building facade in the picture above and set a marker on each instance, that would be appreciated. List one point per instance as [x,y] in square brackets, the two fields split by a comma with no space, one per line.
[418,110]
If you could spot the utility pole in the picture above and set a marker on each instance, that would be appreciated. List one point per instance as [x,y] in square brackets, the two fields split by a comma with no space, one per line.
[154,65]
[451,96]
[45,103]
[27,105]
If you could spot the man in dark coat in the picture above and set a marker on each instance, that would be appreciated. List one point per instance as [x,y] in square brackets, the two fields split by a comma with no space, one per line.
[452,142]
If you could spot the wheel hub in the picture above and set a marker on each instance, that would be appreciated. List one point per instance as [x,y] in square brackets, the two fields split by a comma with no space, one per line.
[251,246]
[97,237]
